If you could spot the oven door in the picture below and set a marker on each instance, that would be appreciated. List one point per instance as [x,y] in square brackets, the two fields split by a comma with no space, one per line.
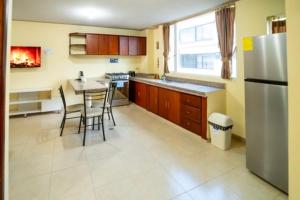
[121,96]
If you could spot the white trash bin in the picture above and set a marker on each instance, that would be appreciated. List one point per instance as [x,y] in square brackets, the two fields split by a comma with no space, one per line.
[220,130]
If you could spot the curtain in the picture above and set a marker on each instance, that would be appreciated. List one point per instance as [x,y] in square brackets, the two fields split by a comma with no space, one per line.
[225,27]
[279,26]
[166,40]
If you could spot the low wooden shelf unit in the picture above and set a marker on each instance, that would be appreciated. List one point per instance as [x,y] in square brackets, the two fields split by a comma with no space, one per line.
[29,101]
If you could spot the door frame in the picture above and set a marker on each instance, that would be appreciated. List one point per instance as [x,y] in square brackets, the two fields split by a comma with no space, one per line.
[4,16]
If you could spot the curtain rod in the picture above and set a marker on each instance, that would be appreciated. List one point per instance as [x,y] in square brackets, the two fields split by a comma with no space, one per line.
[223,5]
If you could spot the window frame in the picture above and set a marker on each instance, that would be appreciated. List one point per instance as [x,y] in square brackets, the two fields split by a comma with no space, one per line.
[200,71]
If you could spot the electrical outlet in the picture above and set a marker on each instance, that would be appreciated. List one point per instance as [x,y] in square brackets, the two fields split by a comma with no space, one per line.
[113,60]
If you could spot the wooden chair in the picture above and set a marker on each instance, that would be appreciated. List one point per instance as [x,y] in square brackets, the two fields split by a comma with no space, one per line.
[89,112]
[108,106]
[75,108]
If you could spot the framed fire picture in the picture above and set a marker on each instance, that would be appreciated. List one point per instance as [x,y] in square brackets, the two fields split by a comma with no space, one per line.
[25,57]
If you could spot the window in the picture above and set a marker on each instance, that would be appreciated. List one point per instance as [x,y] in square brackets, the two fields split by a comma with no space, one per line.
[194,47]
[276,24]
[187,35]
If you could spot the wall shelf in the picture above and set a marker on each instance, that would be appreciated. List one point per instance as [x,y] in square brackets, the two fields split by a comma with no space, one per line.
[77,44]
[106,44]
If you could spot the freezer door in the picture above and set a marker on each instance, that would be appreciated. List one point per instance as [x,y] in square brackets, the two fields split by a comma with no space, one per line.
[267,132]
[267,60]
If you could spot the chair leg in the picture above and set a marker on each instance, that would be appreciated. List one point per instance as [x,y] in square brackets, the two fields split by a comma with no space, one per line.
[80,124]
[102,123]
[112,116]
[62,121]
[84,134]
[108,113]
[98,123]
[63,125]
[93,123]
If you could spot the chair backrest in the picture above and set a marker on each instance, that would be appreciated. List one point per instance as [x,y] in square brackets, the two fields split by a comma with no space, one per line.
[111,92]
[62,95]
[88,97]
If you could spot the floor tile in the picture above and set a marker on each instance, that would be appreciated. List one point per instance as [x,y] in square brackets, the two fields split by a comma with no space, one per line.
[156,184]
[70,183]
[144,157]
[36,188]
[69,158]
[31,167]
[184,196]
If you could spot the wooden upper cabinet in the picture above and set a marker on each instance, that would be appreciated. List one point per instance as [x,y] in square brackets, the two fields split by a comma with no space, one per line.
[124,45]
[137,46]
[133,46]
[92,47]
[103,42]
[113,45]
[142,46]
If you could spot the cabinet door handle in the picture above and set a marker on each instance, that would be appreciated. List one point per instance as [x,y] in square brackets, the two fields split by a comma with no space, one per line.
[188,100]
[188,112]
[188,123]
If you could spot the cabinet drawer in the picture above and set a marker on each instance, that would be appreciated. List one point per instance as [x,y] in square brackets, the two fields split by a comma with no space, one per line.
[191,100]
[191,125]
[191,113]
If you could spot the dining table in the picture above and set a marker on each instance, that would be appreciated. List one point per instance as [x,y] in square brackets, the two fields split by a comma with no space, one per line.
[90,85]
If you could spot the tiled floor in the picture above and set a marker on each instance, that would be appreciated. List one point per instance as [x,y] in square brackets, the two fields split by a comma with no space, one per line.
[144,158]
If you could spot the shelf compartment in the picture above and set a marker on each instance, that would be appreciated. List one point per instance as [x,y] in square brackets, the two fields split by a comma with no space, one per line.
[20,109]
[36,100]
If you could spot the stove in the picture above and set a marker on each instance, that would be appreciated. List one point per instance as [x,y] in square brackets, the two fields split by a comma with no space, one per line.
[117,76]
[121,96]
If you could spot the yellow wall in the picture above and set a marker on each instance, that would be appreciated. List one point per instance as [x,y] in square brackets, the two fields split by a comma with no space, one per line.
[250,21]
[59,66]
[293,44]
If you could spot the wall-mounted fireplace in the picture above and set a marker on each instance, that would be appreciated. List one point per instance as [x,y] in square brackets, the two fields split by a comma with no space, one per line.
[25,57]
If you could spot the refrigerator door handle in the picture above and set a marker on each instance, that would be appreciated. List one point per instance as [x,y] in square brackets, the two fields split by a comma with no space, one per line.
[253,80]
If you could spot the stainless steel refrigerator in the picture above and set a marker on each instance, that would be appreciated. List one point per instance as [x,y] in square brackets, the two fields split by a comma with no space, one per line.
[266,98]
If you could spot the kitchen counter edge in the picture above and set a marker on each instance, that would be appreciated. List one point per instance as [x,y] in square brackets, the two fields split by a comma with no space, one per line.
[197,92]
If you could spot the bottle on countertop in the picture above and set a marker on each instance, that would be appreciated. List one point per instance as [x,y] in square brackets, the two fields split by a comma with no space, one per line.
[81,76]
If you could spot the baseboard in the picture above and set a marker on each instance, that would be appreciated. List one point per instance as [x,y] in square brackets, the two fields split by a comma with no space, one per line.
[239,138]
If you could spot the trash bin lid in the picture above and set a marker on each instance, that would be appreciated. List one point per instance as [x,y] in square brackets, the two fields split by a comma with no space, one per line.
[220,119]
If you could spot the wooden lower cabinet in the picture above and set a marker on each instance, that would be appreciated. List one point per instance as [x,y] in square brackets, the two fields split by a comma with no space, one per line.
[190,112]
[153,99]
[141,94]
[169,105]
[185,110]
[191,125]
[194,114]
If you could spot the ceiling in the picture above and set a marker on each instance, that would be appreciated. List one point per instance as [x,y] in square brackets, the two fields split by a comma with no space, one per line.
[131,14]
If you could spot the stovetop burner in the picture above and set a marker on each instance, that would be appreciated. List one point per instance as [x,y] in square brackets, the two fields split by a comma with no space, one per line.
[117,76]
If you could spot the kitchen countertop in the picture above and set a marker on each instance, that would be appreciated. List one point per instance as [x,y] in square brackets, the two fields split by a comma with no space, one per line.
[191,88]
